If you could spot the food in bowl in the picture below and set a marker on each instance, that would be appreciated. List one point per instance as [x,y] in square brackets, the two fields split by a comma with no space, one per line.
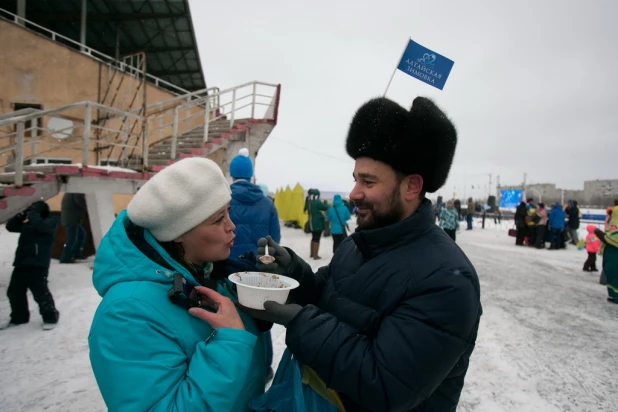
[255,288]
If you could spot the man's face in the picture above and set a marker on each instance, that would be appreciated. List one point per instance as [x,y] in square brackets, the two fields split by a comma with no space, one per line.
[449,204]
[377,194]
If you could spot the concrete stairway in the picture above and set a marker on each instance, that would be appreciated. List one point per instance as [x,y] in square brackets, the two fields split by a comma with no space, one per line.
[191,143]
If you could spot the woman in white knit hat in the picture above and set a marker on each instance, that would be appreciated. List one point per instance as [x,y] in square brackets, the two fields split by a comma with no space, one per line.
[166,335]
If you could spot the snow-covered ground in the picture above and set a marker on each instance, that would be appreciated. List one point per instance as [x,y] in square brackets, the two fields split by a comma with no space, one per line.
[548,339]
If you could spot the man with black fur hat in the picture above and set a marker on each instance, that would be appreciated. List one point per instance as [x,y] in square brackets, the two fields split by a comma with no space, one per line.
[32,258]
[391,322]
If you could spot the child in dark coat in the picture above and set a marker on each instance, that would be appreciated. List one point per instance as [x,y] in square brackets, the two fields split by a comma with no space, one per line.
[32,259]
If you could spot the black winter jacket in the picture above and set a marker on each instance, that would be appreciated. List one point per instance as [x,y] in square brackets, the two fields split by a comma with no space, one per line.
[73,209]
[572,211]
[520,216]
[391,323]
[35,243]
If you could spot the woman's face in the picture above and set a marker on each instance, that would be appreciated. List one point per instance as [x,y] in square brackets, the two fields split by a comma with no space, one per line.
[211,240]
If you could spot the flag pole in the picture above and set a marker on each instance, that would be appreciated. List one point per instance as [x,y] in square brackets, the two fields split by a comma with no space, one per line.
[395,71]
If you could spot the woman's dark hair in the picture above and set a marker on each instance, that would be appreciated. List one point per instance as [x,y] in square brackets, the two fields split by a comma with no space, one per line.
[542,205]
[175,250]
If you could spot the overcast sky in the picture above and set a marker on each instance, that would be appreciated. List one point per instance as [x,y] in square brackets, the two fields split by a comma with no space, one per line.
[533,88]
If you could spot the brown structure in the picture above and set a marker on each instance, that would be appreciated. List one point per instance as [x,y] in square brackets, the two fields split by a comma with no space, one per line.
[51,75]
[43,72]
[74,119]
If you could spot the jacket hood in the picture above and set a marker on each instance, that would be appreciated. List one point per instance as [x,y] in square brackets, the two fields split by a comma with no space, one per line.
[337,201]
[246,192]
[557,205]
[264,188]
[590,228]
[119,260]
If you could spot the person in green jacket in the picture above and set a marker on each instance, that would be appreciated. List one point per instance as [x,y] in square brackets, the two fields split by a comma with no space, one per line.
[609,250]
[315,208]
[167,335]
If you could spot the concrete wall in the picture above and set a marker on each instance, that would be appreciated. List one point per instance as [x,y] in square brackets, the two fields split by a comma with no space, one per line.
[120,202]
[601,192]
[254,140]
[220,157]
[37,70]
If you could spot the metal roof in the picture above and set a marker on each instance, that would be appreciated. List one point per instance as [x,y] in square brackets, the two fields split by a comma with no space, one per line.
[161,28]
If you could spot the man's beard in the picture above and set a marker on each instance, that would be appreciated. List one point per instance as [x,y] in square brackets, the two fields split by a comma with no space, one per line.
[377,220]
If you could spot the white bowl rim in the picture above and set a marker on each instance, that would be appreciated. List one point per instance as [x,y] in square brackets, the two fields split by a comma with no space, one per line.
[293,282]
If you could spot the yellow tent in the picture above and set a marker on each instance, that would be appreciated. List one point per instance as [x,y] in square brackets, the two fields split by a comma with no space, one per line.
[290,204]
[298,205]
[287,204]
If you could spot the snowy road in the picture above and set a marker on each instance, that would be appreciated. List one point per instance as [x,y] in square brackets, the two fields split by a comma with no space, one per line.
[548,339]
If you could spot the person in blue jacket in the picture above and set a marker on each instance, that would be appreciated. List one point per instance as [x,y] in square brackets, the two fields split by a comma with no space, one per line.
[556,223]
[167,335]
[254,214]
[338,215]
[255,217]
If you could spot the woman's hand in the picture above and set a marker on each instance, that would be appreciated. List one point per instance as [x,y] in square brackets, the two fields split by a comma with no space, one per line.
[225,315]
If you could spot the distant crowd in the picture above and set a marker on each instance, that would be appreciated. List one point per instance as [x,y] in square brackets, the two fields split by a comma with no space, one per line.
[536,226]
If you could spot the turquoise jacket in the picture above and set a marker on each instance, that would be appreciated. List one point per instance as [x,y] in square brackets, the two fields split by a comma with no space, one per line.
[150,354]
[337,215]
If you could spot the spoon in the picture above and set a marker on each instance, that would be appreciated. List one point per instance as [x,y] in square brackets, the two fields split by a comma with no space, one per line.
[266,259]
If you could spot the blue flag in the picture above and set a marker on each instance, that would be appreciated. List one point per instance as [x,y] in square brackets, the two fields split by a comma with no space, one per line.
[425,65]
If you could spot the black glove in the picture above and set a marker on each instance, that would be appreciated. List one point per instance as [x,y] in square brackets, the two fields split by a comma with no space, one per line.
[282,258]
[273,312]
[600,234]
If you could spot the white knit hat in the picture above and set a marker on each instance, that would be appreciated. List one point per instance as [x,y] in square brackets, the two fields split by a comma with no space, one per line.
[179,198]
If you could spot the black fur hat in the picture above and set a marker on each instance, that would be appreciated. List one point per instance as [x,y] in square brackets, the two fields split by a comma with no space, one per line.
[420,141]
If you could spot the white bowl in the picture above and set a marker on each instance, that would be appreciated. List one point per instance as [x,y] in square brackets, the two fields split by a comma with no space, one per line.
[255,288]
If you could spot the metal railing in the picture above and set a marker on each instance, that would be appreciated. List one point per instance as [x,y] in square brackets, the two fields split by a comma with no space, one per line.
[70,127]
[84,49]
[27,135]
[252,100]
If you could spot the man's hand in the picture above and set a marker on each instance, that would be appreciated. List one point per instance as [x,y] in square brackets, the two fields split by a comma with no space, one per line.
[282,257]
[273,312]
